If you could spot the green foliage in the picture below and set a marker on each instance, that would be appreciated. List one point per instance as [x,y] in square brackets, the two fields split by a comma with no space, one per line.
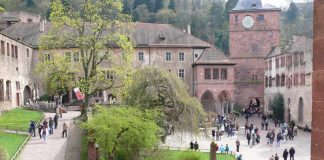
[123,129]
[3,154]
[172,5]
[86,26]
[277,106]
[158,5]
[57,75]
[292,12]
[44,97]
[165,16]
[192,156]
[153,88]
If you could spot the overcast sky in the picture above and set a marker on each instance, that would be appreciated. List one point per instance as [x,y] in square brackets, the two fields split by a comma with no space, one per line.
[281,3]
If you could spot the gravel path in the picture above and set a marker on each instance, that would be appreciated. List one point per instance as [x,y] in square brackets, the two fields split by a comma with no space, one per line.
[36,149]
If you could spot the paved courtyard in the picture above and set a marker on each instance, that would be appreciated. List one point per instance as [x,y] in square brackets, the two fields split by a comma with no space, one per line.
[36,149]
[262,151]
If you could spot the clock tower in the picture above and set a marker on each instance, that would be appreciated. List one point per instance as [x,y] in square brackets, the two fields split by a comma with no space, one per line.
[254,29]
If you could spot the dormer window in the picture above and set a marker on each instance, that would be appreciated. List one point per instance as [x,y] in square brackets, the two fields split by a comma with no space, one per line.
[254,5]
[162,36]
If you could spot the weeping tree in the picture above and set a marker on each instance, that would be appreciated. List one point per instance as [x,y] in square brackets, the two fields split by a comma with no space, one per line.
[277,105]
[153,88]
[100,33]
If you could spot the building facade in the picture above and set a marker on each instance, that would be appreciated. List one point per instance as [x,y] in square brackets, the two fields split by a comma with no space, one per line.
[289,71]
[254,29]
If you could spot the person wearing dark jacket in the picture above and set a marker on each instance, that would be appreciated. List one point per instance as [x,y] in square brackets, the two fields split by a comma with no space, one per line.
[292,153]
[248,137]
[276,157]
[40,127]
[285,154]
[55,120]
[196,146]
[191,145]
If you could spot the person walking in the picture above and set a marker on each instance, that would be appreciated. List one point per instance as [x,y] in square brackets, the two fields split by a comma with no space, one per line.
[45,123]
[248,137]
[196,146]
[292,153]
[276,157]
[65,127]
[191,145]
[45,134]
[40,127]
[253,139]
[55,121]
[285,154]
[222,149]
[226,148]
[266,124]
[213,134]
[272,158]
[238,143]
[32,129]
[51,125]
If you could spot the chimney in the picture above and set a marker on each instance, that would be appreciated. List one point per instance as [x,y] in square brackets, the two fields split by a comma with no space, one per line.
[188,29]
[42,25]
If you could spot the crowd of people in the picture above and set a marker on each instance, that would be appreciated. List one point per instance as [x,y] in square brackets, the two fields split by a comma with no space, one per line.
[47,127]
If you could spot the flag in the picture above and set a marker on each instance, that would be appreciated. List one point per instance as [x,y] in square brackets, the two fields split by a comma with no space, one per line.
[78,93]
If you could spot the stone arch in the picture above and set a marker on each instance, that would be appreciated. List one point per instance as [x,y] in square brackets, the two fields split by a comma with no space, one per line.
[208,101]
[300,110]
[27,94]
[224,102]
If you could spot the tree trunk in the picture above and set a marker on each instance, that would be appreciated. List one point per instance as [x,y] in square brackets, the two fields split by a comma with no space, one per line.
[85,106]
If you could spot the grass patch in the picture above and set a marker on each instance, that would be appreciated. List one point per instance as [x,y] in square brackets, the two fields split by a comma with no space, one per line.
[186,155]
[84,147]
[18,119]
[11,142]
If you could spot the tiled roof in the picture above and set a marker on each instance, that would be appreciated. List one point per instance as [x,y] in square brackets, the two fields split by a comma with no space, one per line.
[9,17]
[213,56]
[252,5]
[145,34]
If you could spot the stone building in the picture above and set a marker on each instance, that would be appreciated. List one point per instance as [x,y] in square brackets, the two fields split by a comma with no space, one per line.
[289,71]
[254,29]
[160,45]
[214,81]
[16,85]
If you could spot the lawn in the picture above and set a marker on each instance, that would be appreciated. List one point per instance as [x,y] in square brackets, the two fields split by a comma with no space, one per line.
[184,155]
[11,142]
[18,119]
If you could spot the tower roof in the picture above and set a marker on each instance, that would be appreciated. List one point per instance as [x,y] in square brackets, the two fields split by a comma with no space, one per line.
[252,5]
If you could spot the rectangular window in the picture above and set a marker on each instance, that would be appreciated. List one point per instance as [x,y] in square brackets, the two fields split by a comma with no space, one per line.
[283,61]
[255,48]
[215,73]
[260,18]
[1,90]
[283,80]
[266,64]
[140,56]
[266,82]
[223,73]
[207,73]
[2,48]
[76,57]
[296,80]
[12,51]
[168,56]
[181,73]
[110,75]
[181,56]
[270,64]
[8,49]
[277,62]
[296,59]
[302,79]
[67,56]
[270,81]
[100,93]
[302,60]
[236,19]
[277,80]
[27,52]
[16,51]
[170,70]
[17,85]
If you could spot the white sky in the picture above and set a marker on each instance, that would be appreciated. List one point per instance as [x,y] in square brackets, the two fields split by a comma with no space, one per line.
[281,3]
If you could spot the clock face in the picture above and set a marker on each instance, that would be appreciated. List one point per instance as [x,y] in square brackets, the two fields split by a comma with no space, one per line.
[248,22]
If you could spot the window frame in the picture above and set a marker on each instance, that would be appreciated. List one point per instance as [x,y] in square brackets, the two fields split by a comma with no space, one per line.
[141,56]
[168,57]
[224,76]
[207,73]
[181,73]
[181,56]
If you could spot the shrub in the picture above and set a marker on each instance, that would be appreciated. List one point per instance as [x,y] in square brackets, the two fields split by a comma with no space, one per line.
[45,97]
[277,105]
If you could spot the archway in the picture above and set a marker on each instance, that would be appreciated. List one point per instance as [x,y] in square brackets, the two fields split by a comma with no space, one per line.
[208,101]
[301,110]
[225,102]
[27,94]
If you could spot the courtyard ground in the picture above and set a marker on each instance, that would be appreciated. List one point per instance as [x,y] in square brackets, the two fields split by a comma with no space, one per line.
[301,143]
[56,146]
